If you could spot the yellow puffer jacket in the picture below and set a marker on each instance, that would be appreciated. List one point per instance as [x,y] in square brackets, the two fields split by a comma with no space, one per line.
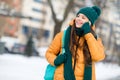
[96,49]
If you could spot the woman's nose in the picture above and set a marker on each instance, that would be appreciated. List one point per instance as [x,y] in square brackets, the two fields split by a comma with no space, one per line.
[79,19]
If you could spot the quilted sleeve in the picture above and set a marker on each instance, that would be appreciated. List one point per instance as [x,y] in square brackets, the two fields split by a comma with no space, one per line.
[54,49]
[96,47]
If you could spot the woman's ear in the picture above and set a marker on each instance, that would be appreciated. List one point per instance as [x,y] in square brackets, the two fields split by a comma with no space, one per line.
[93,27]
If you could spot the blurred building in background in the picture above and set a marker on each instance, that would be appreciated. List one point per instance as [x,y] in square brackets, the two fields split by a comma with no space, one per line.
[23,18]
[9,24]
[20,19]
[34,25]
[109,30]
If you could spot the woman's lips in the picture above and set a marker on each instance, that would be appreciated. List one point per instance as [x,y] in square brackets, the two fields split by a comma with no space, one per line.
[79,22]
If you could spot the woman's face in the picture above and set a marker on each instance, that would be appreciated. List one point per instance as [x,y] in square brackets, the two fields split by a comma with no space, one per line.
[80,20]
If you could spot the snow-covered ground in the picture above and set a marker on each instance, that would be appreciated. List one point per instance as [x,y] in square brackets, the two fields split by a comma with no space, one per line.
[18,67]
[107,71]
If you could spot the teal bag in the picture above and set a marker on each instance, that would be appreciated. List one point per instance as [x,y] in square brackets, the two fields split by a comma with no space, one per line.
[50,70]
[49,73]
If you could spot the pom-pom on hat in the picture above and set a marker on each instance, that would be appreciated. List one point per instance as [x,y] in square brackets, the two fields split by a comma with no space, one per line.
[92,13]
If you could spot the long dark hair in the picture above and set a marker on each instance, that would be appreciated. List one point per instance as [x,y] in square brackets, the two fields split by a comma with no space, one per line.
[74,45]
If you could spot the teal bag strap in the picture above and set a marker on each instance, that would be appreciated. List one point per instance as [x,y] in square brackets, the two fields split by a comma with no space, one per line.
[63,39]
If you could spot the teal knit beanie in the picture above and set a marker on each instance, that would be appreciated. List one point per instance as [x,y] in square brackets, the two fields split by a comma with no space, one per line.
[92,13]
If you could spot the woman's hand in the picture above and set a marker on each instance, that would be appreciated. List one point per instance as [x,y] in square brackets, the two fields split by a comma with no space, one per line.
[85,28]
[60,59]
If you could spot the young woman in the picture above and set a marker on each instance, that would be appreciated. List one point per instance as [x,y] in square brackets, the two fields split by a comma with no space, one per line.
[82,48]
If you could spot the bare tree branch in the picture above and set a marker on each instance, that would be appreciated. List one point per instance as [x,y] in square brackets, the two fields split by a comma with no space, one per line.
[101,3]
[52,10]
[68,9]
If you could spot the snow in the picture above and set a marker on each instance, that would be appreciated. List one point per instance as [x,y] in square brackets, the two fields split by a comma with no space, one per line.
[42,51]
[9,41]
[19,67]
[105,71]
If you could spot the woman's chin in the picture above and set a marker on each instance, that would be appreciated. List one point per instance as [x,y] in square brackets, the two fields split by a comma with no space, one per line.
[78,26]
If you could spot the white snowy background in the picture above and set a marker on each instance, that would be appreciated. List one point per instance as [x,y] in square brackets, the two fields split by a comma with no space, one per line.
[19,67]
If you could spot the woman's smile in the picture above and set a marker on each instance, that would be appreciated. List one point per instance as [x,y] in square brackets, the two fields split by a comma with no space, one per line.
[78,23]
